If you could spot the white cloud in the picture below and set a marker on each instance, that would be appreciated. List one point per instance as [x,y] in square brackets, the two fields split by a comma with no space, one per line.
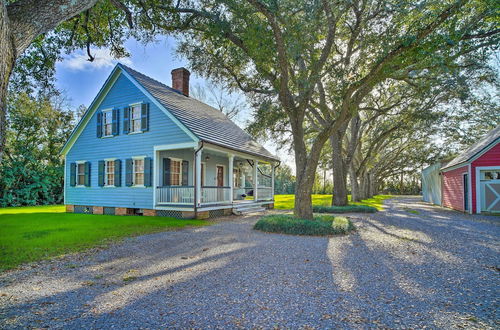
[78,61]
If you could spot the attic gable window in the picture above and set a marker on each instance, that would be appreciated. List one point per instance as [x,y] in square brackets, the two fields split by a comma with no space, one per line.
[135,118]
[108,122]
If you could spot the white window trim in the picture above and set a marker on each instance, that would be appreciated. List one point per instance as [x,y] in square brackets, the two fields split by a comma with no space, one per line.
[180,168]
[106,173]
[223,175]
[104,125]
[131,120]
[133,171]
[76,174]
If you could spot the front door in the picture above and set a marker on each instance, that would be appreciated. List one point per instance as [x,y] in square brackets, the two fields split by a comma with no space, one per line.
[220,183]
[220,176]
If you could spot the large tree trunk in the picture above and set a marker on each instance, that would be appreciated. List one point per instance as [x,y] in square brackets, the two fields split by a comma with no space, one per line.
[7,60]
[364,186]
[354,183]
[20,23]
[339,197]
[373,185]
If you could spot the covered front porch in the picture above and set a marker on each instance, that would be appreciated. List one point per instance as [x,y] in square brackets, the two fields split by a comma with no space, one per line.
[201,177]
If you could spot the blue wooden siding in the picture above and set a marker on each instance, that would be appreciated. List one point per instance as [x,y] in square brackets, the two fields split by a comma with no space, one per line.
[90,148]
[211,168]
[184,154]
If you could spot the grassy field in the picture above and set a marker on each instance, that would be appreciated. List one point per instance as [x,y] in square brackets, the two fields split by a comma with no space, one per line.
[40,232]
[287,202]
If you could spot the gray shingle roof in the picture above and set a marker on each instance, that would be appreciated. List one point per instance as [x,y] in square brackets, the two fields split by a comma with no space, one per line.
[488,140]
[204,121]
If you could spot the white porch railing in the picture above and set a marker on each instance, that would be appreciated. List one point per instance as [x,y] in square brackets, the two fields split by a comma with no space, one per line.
[264,193]
[215,195]
[242,193]
[175,195]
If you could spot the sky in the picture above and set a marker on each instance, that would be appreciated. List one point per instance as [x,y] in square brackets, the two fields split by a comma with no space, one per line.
[81,80]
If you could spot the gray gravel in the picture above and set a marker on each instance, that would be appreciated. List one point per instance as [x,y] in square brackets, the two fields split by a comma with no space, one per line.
[436,269]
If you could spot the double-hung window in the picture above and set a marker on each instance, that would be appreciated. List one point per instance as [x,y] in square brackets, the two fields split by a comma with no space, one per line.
[80,174]
[175,172]
[135,120]
[138,175]
[107,120]
[110,173]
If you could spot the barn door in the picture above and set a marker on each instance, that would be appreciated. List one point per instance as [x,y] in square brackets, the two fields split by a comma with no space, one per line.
[490,190]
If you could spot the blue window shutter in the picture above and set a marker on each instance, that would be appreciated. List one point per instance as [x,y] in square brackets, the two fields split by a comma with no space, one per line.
[100,176]
[126,120]
[148,171]
[129,172]
[72,174]
[145,117]
[166,171]
[115,122]
[87,174]
[118,173]
[99,124]
[185,173]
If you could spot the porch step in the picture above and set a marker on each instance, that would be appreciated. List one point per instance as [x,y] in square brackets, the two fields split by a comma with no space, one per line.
[247,209]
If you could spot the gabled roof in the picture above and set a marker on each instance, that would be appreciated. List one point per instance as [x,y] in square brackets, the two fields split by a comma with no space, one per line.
[488,141]
[199,119]
[206,122]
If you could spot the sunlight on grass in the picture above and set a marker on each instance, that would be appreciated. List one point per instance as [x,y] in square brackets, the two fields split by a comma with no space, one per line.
[287,202]
[33,209]
[35,233]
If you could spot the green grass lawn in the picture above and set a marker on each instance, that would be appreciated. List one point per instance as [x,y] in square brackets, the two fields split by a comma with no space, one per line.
[287,202]
[40,232]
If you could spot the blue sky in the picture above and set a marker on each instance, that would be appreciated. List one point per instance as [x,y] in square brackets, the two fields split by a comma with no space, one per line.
[81,80]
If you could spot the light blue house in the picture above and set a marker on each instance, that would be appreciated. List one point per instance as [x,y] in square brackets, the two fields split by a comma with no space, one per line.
[145,148]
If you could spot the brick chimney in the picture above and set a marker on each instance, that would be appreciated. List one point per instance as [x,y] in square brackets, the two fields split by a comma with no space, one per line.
[180,80]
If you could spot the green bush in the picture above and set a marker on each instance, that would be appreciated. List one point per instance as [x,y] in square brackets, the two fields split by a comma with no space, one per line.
[319,226]
[344,209]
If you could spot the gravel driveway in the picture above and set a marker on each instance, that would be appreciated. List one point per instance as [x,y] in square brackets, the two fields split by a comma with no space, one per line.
[437,268]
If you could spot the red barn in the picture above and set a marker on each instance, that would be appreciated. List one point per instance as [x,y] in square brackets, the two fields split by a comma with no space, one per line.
[471,181]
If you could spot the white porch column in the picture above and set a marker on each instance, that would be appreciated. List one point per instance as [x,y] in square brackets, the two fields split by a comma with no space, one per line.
[197,185]
[230,176]
[272,181]
[255,179]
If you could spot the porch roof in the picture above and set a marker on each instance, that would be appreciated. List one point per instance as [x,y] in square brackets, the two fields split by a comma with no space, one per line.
[206,122]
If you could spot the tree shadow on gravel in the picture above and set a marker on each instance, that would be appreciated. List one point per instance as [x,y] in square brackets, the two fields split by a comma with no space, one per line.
[411,270]
[393,272]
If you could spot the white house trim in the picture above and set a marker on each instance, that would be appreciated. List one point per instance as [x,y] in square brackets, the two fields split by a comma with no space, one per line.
[64,181]
[454,167]
[100,97]
[174,146]
[238,154]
